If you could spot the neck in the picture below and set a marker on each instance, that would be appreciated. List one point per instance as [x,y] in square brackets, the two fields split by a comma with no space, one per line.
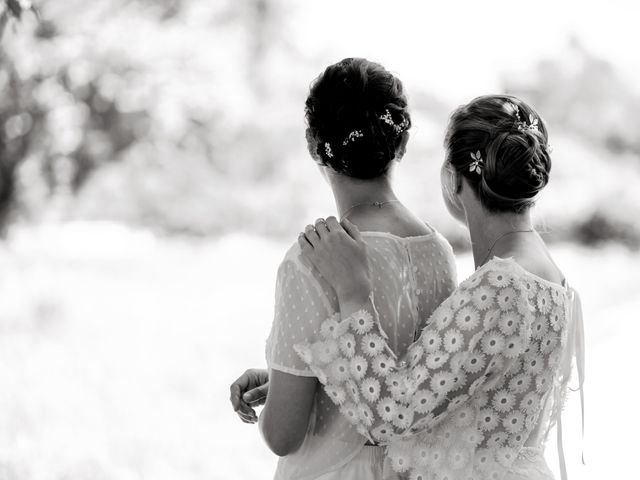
[348,191]
[493,234]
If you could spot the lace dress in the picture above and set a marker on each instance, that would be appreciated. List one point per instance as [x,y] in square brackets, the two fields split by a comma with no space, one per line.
[475,396]
[412,276]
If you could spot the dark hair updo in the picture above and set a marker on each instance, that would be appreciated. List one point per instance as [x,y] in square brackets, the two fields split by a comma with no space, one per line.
[500,144]
[357,116]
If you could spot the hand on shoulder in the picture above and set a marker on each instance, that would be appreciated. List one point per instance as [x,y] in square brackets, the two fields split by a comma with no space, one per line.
[338,252]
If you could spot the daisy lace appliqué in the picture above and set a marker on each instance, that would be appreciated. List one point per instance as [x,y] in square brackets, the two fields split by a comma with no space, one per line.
[469,392]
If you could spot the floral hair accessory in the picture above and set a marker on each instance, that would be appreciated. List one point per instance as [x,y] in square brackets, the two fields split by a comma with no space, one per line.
[353,136]
[327,150]
[477,164]
[524,126]
[397,127]
[514,109]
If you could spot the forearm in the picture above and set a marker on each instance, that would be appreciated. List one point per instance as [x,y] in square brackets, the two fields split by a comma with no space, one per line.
[350,305]
[354,297]
[284,420]
[274,435]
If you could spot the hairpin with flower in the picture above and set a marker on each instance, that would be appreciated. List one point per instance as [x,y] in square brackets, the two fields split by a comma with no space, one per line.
[532,125]
[327,149]
[521,125]
[397,127]
[353,136]
[477,163]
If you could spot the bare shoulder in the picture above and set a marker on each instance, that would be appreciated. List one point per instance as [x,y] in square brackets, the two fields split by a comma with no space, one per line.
[540,265]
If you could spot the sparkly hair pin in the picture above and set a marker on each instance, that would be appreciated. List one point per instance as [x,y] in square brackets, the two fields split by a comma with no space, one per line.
[353,136]
[523,126]
[327,150]
[477,164]
[397,127]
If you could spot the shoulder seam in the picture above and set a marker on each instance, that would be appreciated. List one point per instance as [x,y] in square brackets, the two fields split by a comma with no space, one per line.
[303,270]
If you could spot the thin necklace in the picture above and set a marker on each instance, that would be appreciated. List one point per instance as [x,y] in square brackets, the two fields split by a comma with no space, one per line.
[372,204]
[500,238]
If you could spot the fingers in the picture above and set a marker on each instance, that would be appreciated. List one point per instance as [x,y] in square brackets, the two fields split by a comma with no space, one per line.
[249,416]
[244,411]
[321,227]
[238,404]
[352,230]
[332,224]
[235,396]
[259,402]
[305,247]
[256,396]
[312,235]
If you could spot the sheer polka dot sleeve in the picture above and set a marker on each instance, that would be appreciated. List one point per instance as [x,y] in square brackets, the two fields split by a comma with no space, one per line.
[301,307]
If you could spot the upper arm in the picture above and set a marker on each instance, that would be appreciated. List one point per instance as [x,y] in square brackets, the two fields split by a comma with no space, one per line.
[285,418]
[301,307]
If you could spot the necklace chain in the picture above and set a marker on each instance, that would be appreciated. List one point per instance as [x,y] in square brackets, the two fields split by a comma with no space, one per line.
[372,204]
[500,238]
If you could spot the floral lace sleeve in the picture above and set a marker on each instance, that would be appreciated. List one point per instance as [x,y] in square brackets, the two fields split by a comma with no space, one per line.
[473,363]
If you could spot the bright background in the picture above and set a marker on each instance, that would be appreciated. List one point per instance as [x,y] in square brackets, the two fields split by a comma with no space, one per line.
[153,172]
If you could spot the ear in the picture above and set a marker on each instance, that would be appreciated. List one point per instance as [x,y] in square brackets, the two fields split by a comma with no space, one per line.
[402,149]
[458,180]
[454,179]
[312,145]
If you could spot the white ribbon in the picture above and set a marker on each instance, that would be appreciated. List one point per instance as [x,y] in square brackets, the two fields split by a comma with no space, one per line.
[577,329]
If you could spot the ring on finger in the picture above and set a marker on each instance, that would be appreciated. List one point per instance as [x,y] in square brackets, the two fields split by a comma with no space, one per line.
[320,223]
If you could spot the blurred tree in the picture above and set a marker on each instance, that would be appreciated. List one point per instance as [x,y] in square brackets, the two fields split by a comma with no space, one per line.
[586,95]
[13,9]
[188,117]
[262,23]
[592,112]
[93,98]
[14,117]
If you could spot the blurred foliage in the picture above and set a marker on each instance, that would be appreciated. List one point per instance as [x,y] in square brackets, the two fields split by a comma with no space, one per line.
[585,95]
[87,99]
[594,112]
[186,117]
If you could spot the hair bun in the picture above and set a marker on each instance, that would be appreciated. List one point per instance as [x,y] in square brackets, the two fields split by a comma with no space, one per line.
[356,111]
[516,161]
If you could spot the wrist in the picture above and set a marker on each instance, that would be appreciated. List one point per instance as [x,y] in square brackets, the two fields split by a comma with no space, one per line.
[356,293]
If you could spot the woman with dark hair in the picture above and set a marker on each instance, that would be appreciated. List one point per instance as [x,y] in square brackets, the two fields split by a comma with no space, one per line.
[477,393]
[358,127]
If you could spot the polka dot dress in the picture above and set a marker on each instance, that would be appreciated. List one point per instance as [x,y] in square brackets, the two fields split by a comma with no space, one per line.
[411,277]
